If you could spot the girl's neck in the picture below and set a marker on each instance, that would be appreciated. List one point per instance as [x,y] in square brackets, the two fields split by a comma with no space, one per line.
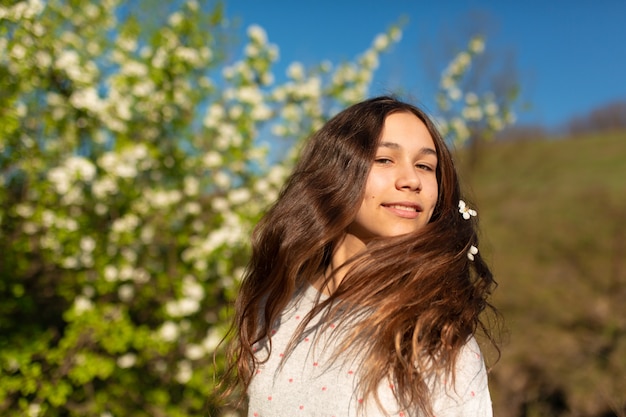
[347,247]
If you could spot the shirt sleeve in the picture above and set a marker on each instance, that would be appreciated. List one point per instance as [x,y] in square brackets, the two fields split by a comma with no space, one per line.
[469,395]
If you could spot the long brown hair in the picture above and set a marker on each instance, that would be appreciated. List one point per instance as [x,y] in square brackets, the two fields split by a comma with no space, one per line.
[423,296]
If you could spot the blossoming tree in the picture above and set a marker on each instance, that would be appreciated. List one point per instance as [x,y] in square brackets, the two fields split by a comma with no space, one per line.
[132,170]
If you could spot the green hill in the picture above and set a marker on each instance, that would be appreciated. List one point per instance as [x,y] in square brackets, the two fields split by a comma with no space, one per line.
[553,218]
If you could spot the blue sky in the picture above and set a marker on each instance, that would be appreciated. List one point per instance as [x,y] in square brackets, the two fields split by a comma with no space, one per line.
[570,56]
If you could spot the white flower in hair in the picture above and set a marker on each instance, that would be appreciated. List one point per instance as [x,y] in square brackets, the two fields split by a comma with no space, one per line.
[465,210]
[473,250]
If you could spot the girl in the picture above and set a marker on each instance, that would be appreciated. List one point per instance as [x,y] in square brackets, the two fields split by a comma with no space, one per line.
[365,286]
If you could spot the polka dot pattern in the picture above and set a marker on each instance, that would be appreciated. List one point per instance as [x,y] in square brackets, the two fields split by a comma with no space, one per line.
[306,383]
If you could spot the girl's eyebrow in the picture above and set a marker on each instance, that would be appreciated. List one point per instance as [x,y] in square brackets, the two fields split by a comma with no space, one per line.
[397,146]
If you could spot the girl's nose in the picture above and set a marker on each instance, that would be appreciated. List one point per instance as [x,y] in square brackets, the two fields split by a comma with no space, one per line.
[408,179]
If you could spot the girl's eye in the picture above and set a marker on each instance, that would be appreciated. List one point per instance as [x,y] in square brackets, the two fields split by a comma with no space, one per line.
[424,167]
[382,160]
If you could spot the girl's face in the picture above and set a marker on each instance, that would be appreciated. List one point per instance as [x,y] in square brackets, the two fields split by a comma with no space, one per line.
[401,190]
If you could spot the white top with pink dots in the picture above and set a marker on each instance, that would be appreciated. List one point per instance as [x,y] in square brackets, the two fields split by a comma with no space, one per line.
[309,385]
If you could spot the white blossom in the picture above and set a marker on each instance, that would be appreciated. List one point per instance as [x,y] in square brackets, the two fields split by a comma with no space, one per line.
[69,224]
[396,34]
[369,60]
[30,228]
[311,88]
[159,58]
[454,93]
[471,98]
[126,292]
[212,159]
[473,250]
[295,71]
[191,186]
[214,115]
[163,198]
[188,55]
[235,112]
[194,351]
[24,210]
[48,218]
[193,5]
[129,255]
[257,34]
[477,45]
[192,289]
[125,163]
[277,174]
[127,44]
[69,61]
[126,223]
[291,112]
[381,42]
[60,178]
[126,273]
[239,196]
[43,59]
[229,72]
[273,52]
[70,262]
[18,52]
[466,211]
[491,109]
[175,19]
[87,99]
[87,244]
[279,130]
[22,10]
[91,10]
[34,409]
[127,360]
[261,112]
[82,304]
[212,340]
[169,331]
[182,307]
[122,107]
[110,273]
[249,94]
[103,187]
[252,50]
[143,88]
[472,113]
[184,372]
[267,78]
[221,179]
[220,204]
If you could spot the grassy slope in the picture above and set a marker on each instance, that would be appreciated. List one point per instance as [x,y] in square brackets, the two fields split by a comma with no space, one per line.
[553,217]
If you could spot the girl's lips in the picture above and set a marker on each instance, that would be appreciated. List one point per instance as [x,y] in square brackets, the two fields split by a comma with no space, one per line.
[404,210]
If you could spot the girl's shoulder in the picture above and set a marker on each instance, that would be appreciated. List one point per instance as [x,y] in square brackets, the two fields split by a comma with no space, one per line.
[470,363]
[467,394]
